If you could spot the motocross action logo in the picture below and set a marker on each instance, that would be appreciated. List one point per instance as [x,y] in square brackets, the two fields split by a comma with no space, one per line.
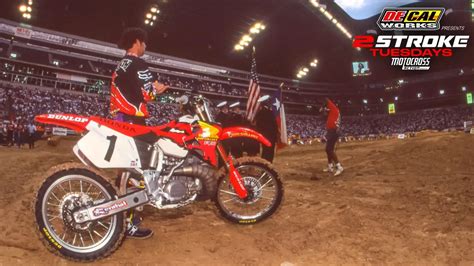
[411,52]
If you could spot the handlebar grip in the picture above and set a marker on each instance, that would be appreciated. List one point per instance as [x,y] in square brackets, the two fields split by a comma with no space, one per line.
[182,100]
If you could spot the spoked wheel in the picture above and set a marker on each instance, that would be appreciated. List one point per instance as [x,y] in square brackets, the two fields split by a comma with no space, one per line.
[264,188]
[59,197]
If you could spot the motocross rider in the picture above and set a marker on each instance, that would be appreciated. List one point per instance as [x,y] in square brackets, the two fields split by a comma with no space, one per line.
[133,85]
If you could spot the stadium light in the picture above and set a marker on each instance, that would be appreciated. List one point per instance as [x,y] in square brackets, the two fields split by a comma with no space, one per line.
[365,101]
[441,92]
[30,2]
[13,55]
[151,15]
[22,8]
[249,37]
[396,98]
[259,25]
[327,14]
[305,70]
[330,17]
[254,30]
[419,95]
[463,88]
[315,3]
[29,9]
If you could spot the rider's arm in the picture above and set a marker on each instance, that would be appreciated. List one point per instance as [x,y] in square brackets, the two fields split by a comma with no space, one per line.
[150,87]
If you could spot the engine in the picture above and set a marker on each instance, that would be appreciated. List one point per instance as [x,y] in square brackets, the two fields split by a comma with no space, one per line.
[177,188]
[181,188]
[178,181]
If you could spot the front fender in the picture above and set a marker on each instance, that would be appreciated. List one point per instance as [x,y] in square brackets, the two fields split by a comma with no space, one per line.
[243,132]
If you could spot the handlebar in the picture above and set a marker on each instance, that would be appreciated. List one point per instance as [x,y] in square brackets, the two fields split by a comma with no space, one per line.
[183,99]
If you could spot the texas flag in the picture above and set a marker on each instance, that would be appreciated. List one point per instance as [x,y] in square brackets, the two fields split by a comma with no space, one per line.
[279,112]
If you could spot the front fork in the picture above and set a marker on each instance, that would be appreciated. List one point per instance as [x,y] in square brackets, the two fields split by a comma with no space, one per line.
[235,178]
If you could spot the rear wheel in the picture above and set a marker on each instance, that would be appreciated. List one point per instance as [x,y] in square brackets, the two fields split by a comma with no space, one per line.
[264,187]
[59,197]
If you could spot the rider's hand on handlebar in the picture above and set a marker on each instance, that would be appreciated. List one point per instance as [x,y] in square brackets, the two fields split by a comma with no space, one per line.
[159,87]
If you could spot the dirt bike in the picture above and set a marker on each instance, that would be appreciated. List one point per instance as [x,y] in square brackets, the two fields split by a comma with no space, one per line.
[81,216]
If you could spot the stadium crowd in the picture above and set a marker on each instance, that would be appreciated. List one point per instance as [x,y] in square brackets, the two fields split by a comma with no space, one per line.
[26,103]
[308,127]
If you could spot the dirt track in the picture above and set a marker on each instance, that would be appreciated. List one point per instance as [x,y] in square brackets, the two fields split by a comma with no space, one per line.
[399,202]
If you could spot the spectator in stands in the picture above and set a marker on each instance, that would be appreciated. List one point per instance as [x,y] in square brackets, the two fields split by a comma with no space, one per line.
[27,103]
[31,135]
[10,131]
[19,134]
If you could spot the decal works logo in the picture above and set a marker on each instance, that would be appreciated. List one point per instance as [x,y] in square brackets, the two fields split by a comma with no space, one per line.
[410,19]
[411,52]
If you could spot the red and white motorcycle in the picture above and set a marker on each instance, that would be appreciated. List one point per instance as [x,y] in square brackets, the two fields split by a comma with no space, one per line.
[81,216]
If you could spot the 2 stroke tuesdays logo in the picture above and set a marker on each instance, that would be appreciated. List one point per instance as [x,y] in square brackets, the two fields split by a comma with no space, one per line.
[411,52]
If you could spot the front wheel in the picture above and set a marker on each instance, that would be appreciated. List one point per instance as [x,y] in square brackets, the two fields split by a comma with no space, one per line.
[264,187]
[63,193]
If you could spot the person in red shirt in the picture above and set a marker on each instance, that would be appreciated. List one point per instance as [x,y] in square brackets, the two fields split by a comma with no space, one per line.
[133,85]
[332,136]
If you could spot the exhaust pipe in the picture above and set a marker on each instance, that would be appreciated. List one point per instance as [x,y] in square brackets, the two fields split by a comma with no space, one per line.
[207,175]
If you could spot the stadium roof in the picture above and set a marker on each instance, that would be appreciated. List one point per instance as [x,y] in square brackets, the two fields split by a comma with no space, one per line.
[206,31]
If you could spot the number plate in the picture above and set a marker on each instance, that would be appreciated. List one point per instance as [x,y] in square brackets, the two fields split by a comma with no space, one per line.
[107,148]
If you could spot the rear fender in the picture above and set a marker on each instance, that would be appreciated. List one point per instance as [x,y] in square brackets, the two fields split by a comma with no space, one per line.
[243,132]
[75,122]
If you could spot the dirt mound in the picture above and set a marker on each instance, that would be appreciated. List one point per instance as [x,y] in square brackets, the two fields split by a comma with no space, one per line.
[399,201]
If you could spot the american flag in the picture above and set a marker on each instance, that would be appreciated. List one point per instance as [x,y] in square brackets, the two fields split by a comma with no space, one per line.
[254,91]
